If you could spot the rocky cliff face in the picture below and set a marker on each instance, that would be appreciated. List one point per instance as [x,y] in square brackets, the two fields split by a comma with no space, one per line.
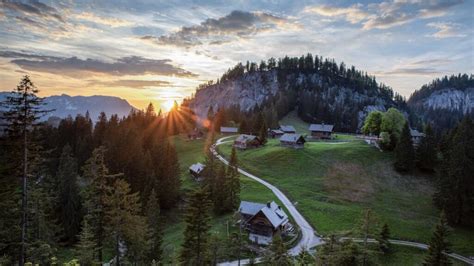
[250,90]
[449,99]
[318,99]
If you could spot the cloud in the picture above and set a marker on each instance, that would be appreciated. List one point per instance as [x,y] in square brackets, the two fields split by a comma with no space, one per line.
[386,14]
[76,67]
[423,71]
[445,30]
[108,21]
[33,7]
[436,61]
[223,29]
[130,83]
[353,14]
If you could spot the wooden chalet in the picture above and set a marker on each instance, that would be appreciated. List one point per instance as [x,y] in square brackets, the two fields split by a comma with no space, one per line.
[292,140]
[196,170]
[245,141]
[229,130]
[416,136]
[263,221]
[275,133]
[321,131]
[288,129]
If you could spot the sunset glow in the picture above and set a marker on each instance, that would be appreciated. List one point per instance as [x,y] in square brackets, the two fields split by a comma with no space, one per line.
[145,51]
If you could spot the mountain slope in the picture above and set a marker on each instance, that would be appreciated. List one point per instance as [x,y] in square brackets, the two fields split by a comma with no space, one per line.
[319,90]
[444,101]
[65,105]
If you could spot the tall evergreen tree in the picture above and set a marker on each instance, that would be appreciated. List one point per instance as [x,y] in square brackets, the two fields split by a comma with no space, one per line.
[156,232]
[439,244]
[277,253]
[124,224]
[384,235]
[97,175]
[86,247]
[426,152]
[233,182]
[263,133]
[23,111]
[69,198]
[195,249]
[404,151]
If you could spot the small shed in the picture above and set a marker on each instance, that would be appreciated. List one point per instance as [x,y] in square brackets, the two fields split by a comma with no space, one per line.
[229,130]
[288,129]
[263,221]
[195,134]
[275,133]
[321,131]
[196,170]
[416,136]
[296,141]
[245,141]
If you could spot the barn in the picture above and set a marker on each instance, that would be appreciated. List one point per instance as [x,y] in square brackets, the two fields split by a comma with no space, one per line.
[288,129]
[292,140]
[321,131]
[245,141]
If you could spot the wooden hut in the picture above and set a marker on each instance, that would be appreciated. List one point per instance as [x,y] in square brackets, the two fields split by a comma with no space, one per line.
[292,140]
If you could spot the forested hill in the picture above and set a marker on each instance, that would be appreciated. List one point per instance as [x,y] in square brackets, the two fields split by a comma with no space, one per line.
[321,90]
[444,102]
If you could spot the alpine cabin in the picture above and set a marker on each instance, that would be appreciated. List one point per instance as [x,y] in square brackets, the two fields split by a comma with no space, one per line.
[245,141]
[292,140]
[321,131]
[288,129]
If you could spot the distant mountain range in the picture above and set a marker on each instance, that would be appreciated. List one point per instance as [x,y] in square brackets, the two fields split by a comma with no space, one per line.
[65,105]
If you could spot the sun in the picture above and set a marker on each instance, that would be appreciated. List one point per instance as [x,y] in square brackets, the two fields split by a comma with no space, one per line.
[167,105]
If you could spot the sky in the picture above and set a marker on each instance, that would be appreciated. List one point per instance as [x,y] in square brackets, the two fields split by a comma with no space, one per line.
[160,51]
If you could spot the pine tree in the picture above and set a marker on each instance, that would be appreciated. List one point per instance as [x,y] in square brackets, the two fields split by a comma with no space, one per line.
[277,253]
[169,178]
[404,152]
[98,177]
[439,245]
[86,247]
[219,191]
[23,111]
[69,199]
[305,258]
[384,235]
[233,182]
[124,224]
[195,249]
[426,151]
[263,132]
[156,232]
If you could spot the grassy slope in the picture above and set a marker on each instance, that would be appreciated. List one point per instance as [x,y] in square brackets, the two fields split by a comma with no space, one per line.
[190,152]
[333,183]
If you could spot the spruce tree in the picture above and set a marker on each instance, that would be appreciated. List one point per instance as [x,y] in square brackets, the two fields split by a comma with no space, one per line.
[233,182]
[69,199]
[195,249]
[439,244]
[277,253]
[219,191]
[97,175]
[384,235]
[156,231]
[426,151]
[404,152]
[263,133]
[23,111]
[124,224]
[305,258]
[86,247]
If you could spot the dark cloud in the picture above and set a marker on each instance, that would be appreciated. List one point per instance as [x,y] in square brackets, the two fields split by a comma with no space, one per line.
[412,71]
[74,67]
[237,23]
[32,7]
[129,83]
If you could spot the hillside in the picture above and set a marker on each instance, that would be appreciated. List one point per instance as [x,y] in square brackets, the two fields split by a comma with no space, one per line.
[320,90]
[444,101]
[64,105]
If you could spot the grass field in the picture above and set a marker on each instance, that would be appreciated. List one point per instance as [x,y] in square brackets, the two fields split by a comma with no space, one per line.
[190,152]
[333,183]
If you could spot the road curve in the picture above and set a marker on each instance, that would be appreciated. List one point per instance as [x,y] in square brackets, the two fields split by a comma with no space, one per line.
[308,235]
[309,239]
